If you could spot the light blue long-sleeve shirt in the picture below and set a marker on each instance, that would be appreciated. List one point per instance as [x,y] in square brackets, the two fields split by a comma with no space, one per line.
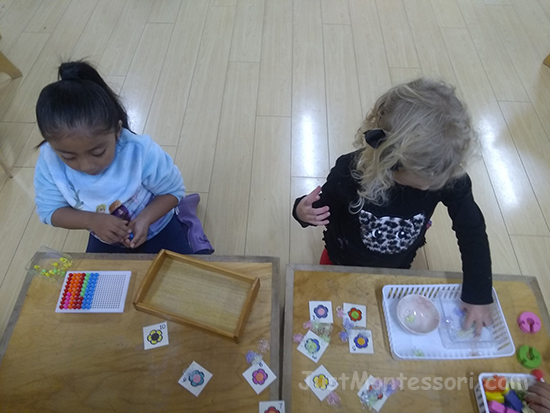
[140,171]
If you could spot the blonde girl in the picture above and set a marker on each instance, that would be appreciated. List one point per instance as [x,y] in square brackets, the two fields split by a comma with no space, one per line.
[378,201]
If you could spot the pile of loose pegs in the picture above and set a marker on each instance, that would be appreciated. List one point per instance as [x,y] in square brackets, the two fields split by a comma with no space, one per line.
[57,268]
[505,395]
[508,394]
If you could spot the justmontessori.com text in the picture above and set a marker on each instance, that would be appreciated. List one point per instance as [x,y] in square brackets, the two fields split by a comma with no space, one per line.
[356,380]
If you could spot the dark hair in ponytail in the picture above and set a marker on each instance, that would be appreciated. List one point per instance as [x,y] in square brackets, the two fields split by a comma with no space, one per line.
[80,99]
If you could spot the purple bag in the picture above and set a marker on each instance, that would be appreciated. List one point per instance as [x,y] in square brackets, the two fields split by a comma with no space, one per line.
[186,212]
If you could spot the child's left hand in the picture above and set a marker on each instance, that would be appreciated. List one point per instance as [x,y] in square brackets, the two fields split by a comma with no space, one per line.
[140,229]
[480,315]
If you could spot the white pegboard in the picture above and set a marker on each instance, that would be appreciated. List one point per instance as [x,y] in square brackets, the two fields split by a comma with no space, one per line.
[93,292]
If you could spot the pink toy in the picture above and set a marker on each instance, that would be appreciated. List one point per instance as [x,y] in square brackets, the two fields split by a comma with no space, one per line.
[529,322]
[496,407]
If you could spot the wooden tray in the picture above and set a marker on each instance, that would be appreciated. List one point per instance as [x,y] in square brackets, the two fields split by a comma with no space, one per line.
[196,293]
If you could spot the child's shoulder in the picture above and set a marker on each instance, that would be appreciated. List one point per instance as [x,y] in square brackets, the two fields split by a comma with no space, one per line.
[460,183]
[350,156]
[134,147]
[128,138]
[459,187]
[47,154]
[347,161]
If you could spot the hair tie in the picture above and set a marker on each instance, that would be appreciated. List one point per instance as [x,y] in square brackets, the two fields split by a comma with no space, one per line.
[69,76]
[69,71]
[375,137]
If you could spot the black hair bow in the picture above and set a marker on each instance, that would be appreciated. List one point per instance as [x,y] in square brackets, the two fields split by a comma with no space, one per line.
[375,137]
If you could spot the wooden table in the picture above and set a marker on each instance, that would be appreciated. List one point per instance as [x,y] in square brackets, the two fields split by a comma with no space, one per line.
[364,286]
[96,362]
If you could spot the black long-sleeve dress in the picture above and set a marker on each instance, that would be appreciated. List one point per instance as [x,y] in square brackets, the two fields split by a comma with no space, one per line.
[390,235]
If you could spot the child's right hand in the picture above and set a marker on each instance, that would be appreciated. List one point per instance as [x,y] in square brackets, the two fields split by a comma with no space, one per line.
[313,216]
[539,397]
[109,228]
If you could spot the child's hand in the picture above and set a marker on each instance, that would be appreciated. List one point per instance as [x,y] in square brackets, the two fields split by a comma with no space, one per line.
[478,314]
[140,229]
[539,397]
[313,216]
[109,228]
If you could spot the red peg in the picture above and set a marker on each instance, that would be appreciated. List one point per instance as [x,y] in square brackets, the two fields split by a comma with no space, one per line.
[538,374]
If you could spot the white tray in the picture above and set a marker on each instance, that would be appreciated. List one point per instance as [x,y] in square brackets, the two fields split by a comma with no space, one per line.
[407,346]
[480,394]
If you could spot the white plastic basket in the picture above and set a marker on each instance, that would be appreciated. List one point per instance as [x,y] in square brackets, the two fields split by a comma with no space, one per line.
[480,394]
[407,346]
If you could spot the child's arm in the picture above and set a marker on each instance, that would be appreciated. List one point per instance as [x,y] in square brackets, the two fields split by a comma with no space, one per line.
[158,207]
[316,207]
[477,315]
[53,208]
[305,213]
[108,228]
[163,179]
[469,226]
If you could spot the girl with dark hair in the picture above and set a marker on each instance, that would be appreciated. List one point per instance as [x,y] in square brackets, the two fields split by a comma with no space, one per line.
[93,173]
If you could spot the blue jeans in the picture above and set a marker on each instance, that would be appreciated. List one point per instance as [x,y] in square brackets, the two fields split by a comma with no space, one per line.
[173,238]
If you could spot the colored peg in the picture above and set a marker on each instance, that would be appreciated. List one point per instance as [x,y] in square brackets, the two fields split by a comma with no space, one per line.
[496,384]
[529,322]
[494,397]
[538,374]
[512,401]
[529,357]
[495,407]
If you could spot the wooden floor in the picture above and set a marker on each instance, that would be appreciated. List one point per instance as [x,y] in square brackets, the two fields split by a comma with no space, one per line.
[255,100]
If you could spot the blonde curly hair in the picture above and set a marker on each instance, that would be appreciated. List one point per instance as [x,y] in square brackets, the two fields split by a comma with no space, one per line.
[428,133]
